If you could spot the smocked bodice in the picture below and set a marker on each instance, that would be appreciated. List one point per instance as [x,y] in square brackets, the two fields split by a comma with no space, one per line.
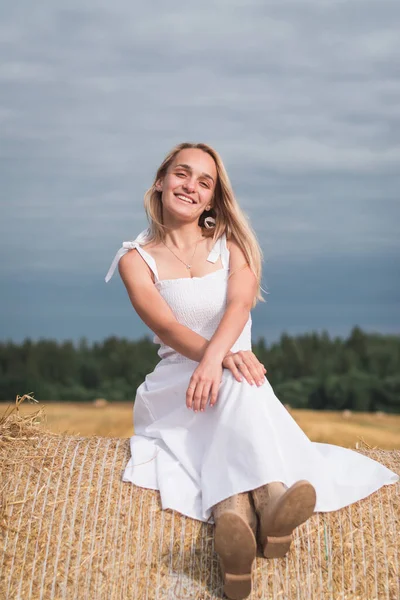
[197,302]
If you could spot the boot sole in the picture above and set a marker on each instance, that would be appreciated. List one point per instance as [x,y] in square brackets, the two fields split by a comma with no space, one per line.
[295,507]
[236,546]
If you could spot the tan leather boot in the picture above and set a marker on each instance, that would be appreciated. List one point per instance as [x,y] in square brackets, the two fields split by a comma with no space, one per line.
[280,510]
[235,543]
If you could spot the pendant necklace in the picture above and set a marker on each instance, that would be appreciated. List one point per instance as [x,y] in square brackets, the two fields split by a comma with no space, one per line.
[188,266]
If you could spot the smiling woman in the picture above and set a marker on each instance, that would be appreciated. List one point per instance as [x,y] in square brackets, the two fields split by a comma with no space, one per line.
[210,434]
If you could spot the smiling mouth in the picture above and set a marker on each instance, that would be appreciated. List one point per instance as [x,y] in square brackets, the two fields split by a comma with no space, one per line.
[185,199]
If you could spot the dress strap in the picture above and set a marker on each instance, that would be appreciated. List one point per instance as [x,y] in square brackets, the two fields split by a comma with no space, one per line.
[220,248]
[142,238]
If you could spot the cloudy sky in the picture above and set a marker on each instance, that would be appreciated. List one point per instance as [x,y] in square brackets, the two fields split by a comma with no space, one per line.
[302,100]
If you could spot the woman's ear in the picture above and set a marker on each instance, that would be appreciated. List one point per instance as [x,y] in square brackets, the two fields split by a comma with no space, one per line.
[158,185]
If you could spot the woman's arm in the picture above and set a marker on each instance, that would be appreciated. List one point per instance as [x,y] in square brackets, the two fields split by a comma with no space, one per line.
[157,315]
[206,378]
[154,310]
[241,291]
[242,287]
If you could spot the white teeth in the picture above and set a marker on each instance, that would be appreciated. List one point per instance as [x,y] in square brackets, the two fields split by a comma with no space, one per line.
[185,199]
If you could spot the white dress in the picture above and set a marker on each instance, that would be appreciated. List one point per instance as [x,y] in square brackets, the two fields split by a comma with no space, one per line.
[245,440]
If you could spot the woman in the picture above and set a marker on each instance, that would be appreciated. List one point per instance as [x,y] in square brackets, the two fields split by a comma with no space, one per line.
[210,434]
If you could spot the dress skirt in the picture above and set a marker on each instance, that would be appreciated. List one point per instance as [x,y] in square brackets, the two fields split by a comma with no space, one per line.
[247,439]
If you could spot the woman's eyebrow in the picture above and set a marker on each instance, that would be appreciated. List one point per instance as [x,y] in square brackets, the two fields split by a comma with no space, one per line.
[189,168]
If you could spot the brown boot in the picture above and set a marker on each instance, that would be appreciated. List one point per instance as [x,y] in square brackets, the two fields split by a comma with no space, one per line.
[235,543]
[280,510]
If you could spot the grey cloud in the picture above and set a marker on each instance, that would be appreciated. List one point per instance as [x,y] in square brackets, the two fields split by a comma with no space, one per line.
[300,98]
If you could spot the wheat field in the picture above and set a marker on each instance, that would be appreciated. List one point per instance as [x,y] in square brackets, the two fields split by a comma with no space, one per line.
[115,419]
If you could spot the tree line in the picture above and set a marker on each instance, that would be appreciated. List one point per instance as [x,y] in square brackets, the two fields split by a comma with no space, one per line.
[360,373]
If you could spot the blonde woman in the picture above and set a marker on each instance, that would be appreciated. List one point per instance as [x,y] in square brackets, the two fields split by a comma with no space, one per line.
[210,434]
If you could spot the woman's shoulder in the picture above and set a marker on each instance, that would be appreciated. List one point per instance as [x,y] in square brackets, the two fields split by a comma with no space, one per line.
[236,254]
[230,242]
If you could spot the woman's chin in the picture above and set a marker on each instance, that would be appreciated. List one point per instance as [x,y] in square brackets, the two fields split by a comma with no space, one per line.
[180,215]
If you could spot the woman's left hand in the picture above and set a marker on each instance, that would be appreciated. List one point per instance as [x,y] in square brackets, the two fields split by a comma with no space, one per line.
[245,363]
[204,383]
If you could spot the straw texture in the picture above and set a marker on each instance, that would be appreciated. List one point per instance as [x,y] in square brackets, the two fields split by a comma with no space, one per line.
[71,529]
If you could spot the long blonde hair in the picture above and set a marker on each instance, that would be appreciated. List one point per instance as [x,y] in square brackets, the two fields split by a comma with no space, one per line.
[229,217]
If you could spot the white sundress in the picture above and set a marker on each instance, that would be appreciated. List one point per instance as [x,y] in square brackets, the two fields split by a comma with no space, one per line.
[247,439]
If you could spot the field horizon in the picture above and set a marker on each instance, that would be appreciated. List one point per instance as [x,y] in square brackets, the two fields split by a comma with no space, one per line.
[115,419]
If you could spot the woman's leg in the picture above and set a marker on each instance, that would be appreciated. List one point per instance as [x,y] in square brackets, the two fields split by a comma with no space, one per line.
[235,543]
[280,510]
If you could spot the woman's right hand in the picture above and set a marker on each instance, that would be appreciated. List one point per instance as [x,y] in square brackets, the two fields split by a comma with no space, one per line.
[244,363]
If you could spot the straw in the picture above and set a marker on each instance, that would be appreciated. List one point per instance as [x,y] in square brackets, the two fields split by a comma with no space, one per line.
[72,530]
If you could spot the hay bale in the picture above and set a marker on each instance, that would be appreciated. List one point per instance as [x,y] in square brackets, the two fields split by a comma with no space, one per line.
[72,529]
[100,402]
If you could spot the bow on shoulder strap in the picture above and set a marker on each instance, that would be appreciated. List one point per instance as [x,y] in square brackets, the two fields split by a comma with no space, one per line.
[126,246]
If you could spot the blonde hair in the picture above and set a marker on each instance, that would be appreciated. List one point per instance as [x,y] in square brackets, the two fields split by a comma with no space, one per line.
[229,217]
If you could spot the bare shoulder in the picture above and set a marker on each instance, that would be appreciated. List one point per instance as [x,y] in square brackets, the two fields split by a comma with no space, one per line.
[239,266]
[242,282]
[144,295]
[133,268]
[155,249]
[236,253]
[151,245]
[231,243]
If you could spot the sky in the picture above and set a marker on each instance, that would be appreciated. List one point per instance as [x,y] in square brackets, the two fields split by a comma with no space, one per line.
[301,99]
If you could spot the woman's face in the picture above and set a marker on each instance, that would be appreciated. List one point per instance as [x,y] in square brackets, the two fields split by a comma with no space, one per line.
[189,184]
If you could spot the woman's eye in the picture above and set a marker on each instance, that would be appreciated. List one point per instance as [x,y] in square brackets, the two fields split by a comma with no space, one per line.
[181,174]
[204,184]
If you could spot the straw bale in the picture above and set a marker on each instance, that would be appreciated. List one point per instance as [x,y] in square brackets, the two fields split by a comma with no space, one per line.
[71,529]
[100,402]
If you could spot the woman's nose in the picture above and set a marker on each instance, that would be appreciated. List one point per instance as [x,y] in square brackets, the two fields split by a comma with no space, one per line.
[189,185]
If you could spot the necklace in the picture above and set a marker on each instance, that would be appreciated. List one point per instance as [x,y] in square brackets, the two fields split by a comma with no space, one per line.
[188,266]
